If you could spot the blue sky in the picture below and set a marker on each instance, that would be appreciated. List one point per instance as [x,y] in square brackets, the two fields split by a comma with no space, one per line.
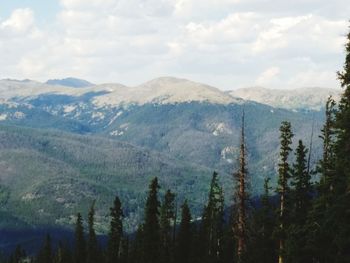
[225,43]
[44,9]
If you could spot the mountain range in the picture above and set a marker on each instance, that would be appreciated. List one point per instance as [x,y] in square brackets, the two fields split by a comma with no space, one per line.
[63,145]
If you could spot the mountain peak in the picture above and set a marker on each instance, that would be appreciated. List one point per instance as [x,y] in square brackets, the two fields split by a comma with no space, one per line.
[70,82]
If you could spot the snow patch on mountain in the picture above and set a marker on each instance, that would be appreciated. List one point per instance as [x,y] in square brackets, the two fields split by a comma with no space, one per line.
[3,117]
[68,108]
[219,128]
[227,153]
[119,113]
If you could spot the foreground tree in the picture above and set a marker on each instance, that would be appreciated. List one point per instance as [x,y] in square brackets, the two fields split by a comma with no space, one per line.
[301,182]
[299,208]
[80,245]
[185,236]
[319,228]
[92,245]
[211,232]
[115,232]
[63,254]
[262,242]
[167,220]
[283,187]
[46,255]
[340,209]
[241,197]
[151,228]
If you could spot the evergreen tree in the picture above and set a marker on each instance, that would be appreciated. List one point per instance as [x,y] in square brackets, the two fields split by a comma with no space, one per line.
[137,246]
[167,218]
[45,254]
[283,188]
[241,197]
[185,236]
[18,255]
[213,222]
[63,254]
[151,228]
[262,243]
[115,232]
[301,182]
[80,246]
[300,207]
[92,244]
[319,227]
[340,209]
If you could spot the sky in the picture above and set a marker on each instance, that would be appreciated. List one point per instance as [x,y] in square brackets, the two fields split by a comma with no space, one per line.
[228,44]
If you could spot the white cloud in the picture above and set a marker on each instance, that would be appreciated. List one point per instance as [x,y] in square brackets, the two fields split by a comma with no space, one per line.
[267,76]
[226,43]
[20,21]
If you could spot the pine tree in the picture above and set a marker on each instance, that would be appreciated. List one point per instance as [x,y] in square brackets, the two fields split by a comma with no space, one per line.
[80,246]
[319,227]
[45,255]
[92,244]
[18,255]
[167,218]
[262,243]
[185,236]
[115,232]
[326,166]
[137,246]
[213,222]
[63,254]
[300,206]
[301,182]
[241,196]
[283,188]
[340,209]
[151,228]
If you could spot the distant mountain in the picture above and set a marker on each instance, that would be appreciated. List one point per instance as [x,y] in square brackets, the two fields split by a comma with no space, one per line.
[61,147]
[70,82]
[162,90]
[303,98]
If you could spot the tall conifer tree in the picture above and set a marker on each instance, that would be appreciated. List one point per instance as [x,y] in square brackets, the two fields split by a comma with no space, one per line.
[301,182]
[46,254]
[241,197]
[151,228]
[283,188]
[80,245]
[341,207]
[167,214]
[92,245]
[115,232]
[213,223]
[299,208]
[185,236]
[262,243]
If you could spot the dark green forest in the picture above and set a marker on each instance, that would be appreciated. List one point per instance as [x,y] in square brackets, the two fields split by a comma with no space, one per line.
[299,220]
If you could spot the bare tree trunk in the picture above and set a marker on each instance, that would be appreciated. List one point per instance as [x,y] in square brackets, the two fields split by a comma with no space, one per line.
[241,196]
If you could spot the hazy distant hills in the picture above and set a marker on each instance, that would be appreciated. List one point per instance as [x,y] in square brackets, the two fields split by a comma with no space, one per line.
[73,145]
[164,90]
[70,82]
[302,98]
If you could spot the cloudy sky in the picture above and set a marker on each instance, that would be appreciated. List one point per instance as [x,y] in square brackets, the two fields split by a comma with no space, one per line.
[225,43]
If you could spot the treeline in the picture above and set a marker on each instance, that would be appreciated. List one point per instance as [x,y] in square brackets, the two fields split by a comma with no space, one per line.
[302,220]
